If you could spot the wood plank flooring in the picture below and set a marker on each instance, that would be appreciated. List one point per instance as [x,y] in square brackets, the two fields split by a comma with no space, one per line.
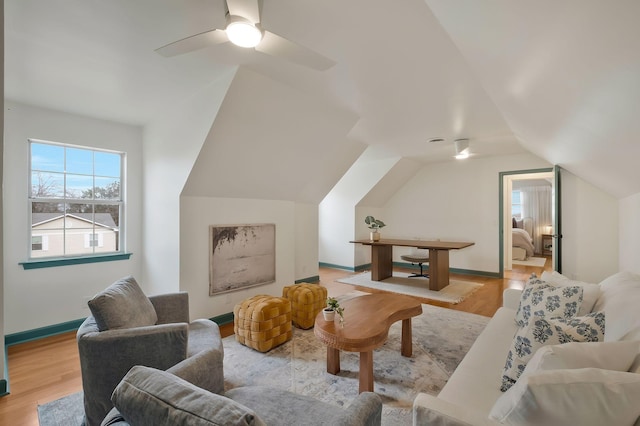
[47,369]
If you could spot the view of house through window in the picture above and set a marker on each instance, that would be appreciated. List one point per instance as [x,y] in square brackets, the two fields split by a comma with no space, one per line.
[75,200]
[516,204]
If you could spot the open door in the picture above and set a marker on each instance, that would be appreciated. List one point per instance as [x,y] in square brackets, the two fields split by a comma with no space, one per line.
[557,222]
[508,182]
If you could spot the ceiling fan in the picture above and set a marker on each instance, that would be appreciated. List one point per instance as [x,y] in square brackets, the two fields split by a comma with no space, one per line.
[244,29]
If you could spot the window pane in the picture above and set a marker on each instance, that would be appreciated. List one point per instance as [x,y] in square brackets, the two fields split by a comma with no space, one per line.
[79,216]
[79,161]
[108,214]
[47,185]
[50,210]
[107,164]
[107,188]
[79,186]
[48,158]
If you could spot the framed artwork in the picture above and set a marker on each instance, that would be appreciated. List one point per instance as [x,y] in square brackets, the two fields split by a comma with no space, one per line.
[241,256]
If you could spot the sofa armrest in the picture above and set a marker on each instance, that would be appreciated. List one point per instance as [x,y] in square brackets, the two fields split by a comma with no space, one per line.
[366,409]
[431,410]
[171,307]
[511,298]
[204,370]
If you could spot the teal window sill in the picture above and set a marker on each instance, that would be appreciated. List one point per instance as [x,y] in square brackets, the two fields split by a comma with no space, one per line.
[64,261]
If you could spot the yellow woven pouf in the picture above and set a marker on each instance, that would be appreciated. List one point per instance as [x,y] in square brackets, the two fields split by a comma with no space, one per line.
[262,322]
[306,301]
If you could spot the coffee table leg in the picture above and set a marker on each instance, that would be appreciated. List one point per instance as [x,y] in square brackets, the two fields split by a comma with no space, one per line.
[333,360]
[366,372]
[407,344]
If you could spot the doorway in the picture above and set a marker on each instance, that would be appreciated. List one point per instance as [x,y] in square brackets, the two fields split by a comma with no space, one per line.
[527,218]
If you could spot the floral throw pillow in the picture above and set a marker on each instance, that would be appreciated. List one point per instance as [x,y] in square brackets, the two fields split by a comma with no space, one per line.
[542,331]
[546,300]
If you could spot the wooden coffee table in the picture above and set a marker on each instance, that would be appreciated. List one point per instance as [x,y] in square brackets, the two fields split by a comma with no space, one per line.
[367,320]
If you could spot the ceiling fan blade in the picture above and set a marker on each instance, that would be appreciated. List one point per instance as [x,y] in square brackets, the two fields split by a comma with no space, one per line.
[249,9]
[189,44]
[275,45]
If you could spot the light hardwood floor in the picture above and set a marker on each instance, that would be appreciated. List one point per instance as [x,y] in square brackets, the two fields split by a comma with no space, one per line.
[47,369]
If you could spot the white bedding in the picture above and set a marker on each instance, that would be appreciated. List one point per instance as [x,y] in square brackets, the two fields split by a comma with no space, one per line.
[523,240]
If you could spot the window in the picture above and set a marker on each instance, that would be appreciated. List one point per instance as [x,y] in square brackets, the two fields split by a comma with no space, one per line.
[75,199]
[36,242]
[516,204]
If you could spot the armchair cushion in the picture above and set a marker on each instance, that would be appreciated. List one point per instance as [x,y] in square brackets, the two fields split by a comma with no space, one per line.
[122,305]
[149,396]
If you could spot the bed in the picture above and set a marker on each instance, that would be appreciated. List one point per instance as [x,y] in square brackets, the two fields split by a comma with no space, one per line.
[521,241]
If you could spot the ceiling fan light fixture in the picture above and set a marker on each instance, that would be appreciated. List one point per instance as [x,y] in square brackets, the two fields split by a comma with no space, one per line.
[242,32]
[462,148]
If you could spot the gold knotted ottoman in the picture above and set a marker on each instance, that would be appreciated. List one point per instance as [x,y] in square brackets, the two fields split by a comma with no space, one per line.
[262,322]
[306,301]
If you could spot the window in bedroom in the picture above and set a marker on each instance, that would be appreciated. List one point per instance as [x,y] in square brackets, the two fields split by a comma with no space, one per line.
[76,201]
[516,204]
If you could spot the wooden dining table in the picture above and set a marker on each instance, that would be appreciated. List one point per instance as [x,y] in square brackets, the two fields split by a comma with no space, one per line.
[382,258]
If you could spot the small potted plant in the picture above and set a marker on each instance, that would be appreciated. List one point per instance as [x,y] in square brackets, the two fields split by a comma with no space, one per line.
[374,224]
[333,308]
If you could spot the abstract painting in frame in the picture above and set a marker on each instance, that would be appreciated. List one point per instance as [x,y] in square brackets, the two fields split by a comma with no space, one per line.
[241,256]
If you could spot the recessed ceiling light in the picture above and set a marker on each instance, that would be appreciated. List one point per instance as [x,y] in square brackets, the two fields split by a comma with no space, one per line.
[433,140]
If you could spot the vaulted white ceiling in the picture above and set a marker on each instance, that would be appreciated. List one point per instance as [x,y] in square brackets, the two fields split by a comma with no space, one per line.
[559,80]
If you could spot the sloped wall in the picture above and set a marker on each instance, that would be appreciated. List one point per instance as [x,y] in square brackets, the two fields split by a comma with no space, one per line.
[629,232]
[171,145]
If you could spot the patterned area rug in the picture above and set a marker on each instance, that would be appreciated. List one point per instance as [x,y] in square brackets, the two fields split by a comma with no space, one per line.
[441,338]
[454,293]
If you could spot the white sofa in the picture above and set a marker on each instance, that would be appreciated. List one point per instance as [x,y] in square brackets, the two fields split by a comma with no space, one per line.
[474,388]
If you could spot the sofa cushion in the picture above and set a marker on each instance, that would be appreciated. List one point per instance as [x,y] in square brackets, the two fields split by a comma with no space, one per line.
[619,299]
[590,294]
[543,332]
[147,396]
[617,356]
[584,396]
[545,300]
[122,305]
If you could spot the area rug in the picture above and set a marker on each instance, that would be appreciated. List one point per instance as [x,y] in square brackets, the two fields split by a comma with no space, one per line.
[454,293]
[441,338]
[532,261]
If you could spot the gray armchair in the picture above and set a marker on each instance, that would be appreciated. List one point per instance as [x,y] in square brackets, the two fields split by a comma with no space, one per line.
[147,396]
[128,329]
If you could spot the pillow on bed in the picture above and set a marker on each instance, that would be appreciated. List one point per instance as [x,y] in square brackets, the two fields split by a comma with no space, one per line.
[514,224]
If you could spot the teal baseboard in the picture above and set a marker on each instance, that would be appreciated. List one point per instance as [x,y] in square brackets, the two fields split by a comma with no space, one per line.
[357,268]
[39,333]
[223,319]
[313,279]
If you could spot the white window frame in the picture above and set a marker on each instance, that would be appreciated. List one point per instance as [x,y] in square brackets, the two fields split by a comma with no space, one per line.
[120,230]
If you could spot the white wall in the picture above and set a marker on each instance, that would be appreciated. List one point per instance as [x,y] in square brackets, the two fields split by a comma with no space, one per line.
[2,360]
[171,145]
[40,297]
[629,233]
[197,213]
[590,240]
[457,201]
[337,210]
[306,240]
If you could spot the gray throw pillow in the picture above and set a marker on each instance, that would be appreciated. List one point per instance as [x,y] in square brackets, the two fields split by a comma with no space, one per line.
[122,305]
[147,396]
